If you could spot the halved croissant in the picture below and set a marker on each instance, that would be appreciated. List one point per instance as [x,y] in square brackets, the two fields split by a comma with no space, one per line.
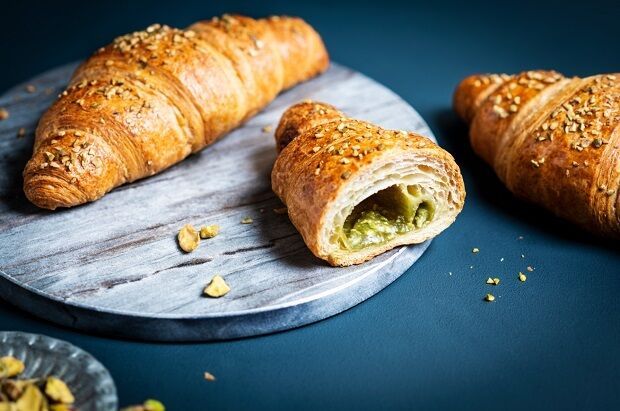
[552,140]
[149,99]
[355,190]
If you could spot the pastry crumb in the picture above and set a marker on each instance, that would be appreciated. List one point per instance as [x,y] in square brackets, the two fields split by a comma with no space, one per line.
[21,132]
[209,377]
[267,129]
[493,281]
[247,220]
[522,277]
[475,250]
[217,287]
[30,88]
[4,113]
[489,298]
[281,210]
[530,268]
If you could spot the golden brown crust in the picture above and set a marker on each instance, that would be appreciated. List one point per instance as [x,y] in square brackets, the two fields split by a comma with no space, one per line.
[151,98]
[558,145]
[327,159]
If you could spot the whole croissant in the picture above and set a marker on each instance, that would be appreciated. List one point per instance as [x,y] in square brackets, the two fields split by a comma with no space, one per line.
[151,98]
[552,140]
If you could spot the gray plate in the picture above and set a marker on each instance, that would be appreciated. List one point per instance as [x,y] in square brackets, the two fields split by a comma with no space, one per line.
[113,266]
[89,381]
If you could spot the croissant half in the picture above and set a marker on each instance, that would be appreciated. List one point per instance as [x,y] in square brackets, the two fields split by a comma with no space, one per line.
[151,98]
[552,140]
[355,190]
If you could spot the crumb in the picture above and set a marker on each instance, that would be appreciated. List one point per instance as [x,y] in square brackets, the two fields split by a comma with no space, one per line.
[489,298]
[209,377]
[247,220]
[475,250]
[520,237]
[30,88]
[267,129]
[501,260]
[522,277]
[262,210]
[21,132]
[493,281]
[522,255]
[529,268]
[4,113]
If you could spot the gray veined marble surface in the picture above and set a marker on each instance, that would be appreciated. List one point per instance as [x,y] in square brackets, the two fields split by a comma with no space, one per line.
[113,266]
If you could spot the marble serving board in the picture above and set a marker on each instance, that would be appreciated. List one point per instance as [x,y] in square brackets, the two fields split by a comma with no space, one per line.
[114,267]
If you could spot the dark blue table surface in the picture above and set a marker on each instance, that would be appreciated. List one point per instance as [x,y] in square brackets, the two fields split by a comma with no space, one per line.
[427,341]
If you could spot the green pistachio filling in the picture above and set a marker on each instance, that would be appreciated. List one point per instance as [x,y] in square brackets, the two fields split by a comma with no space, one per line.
[381,217]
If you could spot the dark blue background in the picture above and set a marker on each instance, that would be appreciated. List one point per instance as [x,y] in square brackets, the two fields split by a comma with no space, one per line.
[428,340]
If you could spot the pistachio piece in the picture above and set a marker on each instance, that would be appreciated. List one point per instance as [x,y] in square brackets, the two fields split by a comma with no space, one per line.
[58,391]
[10,367]
[153,405]
[14,389]
[188,238]
[209,231]
[217,287]
[31,399]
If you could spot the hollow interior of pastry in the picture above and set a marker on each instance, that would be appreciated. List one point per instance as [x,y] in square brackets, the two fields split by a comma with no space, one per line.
[385,215]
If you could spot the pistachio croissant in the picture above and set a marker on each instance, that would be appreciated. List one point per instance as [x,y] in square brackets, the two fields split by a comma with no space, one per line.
[355,190]
[151,98]
[552,140]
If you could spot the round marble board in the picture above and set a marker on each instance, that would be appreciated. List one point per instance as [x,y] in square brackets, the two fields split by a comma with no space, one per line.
[114,267]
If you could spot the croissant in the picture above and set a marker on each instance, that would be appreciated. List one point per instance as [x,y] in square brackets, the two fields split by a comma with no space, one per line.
[151,98]
[355,190]
[552,140]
